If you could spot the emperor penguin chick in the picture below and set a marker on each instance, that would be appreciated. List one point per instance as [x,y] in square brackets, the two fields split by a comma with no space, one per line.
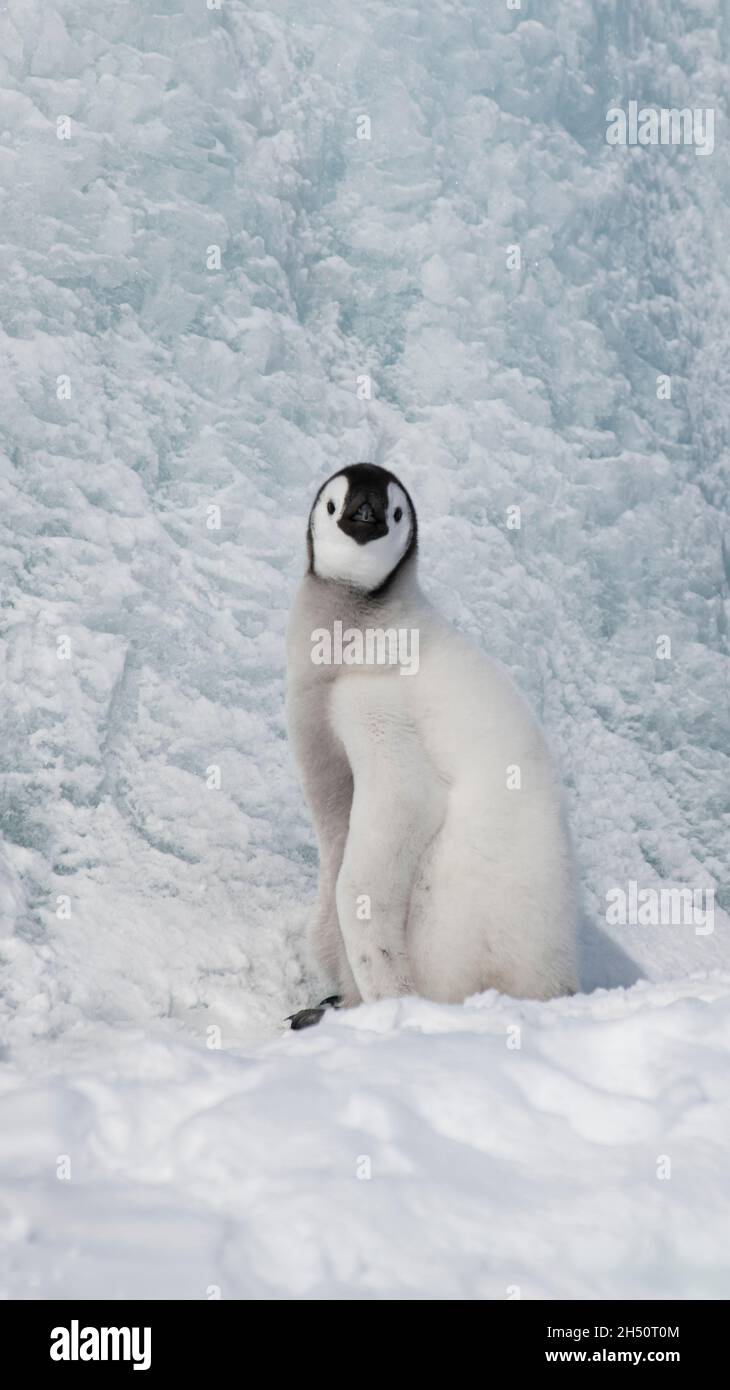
[445,864]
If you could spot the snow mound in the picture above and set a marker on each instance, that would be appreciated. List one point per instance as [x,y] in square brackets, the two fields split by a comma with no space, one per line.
[404,1150]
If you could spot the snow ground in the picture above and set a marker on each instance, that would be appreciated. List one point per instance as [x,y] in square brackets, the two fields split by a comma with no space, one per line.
[494,1168]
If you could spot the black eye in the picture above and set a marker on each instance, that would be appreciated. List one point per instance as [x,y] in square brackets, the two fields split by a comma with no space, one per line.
[331,508]
[397,514]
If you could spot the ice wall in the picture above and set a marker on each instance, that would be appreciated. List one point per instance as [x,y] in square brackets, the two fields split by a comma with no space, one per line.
[194,284]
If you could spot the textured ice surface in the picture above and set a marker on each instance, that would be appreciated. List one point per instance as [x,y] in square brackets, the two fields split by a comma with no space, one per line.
[193,388]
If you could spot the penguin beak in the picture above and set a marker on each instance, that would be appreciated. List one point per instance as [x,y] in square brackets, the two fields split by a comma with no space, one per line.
[364,519]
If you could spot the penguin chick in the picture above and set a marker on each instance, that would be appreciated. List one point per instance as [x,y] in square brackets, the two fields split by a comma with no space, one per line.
[445,861]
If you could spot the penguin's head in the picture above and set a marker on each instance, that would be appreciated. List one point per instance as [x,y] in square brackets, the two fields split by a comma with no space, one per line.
[362,528]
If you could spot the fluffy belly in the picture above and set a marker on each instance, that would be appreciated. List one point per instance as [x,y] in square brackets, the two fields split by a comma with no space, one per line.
[492,913]
[446,933]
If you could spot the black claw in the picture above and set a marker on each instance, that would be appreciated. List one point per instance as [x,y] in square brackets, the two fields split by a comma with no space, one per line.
[305,1018]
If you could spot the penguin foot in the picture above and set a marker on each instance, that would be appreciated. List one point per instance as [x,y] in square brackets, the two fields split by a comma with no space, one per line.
[306,1018]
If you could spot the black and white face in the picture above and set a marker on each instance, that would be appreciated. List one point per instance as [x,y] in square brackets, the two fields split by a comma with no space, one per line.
[361,528]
